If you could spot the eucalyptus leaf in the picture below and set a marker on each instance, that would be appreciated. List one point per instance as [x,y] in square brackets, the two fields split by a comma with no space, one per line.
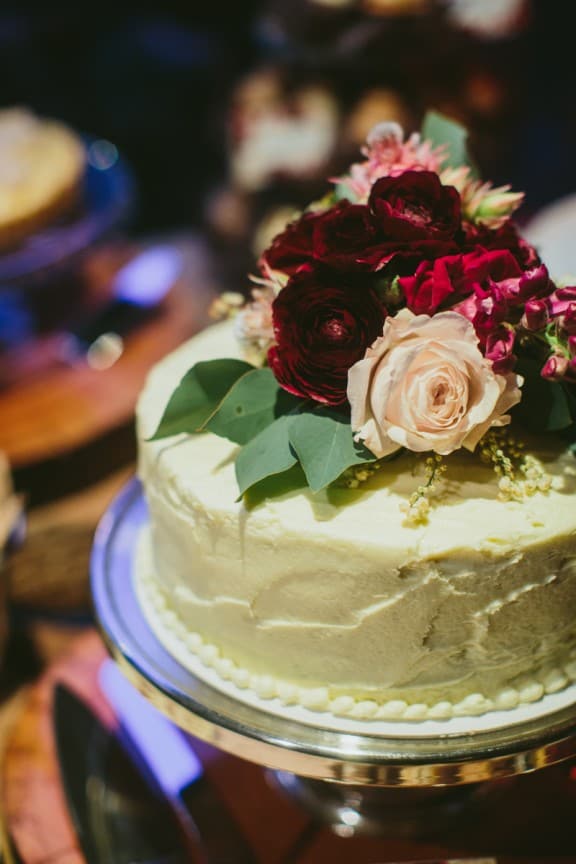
[266,454]
[276,485]
[441,130]
[253,402]
[198,394]
[324,444]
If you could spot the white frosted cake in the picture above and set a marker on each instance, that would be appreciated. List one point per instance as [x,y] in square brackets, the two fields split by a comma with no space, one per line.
[331,600]
[361,488]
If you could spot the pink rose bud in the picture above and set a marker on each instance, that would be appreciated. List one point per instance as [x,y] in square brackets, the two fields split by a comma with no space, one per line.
[561,300]
[555,368]
[535,315]
[569,319]
[572,345]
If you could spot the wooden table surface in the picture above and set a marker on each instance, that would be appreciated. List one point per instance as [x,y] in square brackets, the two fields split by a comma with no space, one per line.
[67,424]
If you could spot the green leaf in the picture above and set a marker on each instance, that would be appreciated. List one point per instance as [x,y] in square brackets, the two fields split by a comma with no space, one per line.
[441,130]
[267,454]
[276,485]
[323,442]
[546,406]
[197,395]
[253,402]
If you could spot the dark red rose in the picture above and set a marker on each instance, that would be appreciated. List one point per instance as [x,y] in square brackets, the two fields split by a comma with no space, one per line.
[505,237]
[415,205]
[321,330]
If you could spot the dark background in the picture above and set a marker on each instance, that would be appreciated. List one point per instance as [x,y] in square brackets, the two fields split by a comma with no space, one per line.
[156,81]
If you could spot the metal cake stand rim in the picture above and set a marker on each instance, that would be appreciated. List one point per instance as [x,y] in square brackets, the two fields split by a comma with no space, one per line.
[272,741]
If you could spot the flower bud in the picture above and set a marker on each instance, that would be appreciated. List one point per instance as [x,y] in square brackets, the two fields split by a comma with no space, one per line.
[535,315]
[555,368]
[568,320]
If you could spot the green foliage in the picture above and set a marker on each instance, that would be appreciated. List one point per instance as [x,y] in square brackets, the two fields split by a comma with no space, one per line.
[441,130]
[269,453]
[198,395]
[253,402]
[546,406]
[323,441]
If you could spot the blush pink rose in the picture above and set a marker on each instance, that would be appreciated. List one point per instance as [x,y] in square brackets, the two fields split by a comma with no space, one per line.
[425,385]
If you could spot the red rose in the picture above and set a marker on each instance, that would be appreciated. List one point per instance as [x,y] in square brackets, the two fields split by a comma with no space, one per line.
[452,277]
[321,330]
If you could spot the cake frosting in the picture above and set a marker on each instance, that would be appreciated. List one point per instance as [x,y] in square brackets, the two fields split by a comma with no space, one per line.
[332,599]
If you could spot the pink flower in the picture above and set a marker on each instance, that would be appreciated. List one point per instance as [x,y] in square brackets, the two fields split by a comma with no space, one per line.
[562,300]
[555,367]
[425,385]
[387,154]
[499,348]
[535,315]
[562,308]
[253,325]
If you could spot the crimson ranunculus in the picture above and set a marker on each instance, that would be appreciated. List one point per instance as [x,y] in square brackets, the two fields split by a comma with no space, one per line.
[415,205]
[342,235]
[335,238]
[292,248]
[321,330]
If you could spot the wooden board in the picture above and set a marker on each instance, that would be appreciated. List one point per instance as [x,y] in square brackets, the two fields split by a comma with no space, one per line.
[62,422]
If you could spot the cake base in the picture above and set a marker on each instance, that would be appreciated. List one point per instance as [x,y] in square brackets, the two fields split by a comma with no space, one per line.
[455,751]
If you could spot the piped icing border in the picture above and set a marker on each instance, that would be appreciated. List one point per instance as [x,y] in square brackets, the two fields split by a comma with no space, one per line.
[555,689]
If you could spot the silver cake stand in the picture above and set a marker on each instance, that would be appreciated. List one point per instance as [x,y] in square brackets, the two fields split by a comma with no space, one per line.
[356,782]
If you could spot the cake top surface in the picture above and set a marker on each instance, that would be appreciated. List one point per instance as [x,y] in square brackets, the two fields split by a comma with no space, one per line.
[400,334]
[467,510]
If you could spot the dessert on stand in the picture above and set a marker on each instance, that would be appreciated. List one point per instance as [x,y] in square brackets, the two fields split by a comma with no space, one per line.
[349,552]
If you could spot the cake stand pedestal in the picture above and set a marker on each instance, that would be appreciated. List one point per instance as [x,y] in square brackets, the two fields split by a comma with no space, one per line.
[372,778]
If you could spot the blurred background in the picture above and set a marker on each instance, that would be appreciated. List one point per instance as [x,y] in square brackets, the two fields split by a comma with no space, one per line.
[176,86]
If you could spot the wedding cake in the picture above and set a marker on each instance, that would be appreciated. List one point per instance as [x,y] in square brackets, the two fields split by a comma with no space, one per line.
[361,484]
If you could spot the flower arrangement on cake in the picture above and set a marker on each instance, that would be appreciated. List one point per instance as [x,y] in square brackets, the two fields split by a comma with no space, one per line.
[403,311]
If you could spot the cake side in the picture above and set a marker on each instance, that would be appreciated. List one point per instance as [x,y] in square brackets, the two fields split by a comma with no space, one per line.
[332,597]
